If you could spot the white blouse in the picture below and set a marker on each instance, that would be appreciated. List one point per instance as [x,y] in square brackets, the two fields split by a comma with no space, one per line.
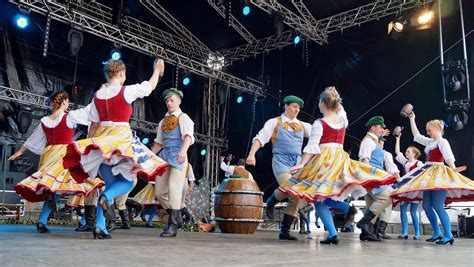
[390,166]
[431,144]
[367,146]
[317,132]
[265,134]
[186,126]
[37,140]
[407,165]
[131,93]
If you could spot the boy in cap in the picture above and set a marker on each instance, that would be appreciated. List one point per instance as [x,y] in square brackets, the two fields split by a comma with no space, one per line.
[286,133]
[174,136]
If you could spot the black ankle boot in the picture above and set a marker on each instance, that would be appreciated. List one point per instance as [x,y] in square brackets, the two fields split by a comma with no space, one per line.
[99,234]
[187,215]
[41,228]
[302,226]
[350,215]
[367,227]
[172,228]
[111,225]
[285,228]
[125,219]
[270,210]
[380,230]
[135,208]
[180,219]
[89,212]
[109,211]
[330,240]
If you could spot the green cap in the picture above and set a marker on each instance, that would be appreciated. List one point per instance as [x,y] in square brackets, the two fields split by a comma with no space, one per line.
[172,91]
[293,99]
[377,120]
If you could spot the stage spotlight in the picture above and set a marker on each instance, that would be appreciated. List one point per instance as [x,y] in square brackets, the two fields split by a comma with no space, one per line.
[396,27]
[186,80]
[296,38]
[75,39]
[21,21]
[115,54]
[146,140]
[425,17]
[240,99]
[245,7]
[278,24]
[203,151]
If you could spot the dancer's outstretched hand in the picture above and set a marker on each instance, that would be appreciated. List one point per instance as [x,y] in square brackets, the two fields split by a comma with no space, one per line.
[160,66]
[251,161]
[386,132]
[460,169]
[296,168]
[181,157]
[15,156]
[412,115]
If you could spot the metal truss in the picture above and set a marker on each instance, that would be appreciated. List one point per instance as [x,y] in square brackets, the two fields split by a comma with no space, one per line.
[293,20]
[347,19]
[366,13]
[138,41]
[171,22]
[261,46]
[39,101]
[233,21]
[304,12]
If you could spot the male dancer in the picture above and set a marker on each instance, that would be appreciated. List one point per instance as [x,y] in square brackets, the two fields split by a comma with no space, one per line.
[286,133]
[174,135]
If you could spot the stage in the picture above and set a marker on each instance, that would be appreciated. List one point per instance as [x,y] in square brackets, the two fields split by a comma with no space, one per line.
[21,245]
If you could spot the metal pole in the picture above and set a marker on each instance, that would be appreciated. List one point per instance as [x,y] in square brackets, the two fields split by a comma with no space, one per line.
[4,161]
[441,52]
[465,50]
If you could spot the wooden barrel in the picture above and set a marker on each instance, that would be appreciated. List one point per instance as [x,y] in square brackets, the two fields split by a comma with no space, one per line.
[238,206]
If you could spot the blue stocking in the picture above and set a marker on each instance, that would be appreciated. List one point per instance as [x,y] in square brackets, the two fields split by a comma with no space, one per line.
[46,211]
[404,217]
[414,218]
[340,205]
[152,211]
[308,222]
[322,210]
[316,219]
[83,220]
[430,213]
[114,186]
[438,203]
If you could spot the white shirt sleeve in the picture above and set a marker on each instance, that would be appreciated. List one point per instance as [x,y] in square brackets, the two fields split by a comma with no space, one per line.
[191,176]
[228,169]
[250,176]
[313,143]
[266,132]
[135,91]
[401,159]
[186,126]
[78,116]
[37,141]
[367,146]
[445,149]
[307,129]
[159,136]
[343,115]
[390,166]
[93,113]
[422,140]
[419,164]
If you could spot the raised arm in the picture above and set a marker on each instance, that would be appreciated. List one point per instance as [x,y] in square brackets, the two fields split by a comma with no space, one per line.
[158,70]
[397,144]
[414,129]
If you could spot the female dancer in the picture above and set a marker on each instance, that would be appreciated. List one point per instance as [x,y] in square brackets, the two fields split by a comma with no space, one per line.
[436,184]
[50,139]
[410,162]
[327,174]
[110,152]
[147,198]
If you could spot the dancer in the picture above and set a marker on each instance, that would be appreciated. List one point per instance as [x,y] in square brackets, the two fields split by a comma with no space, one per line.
[238,169]
[410,162]
[378,199]
[49,139]
[110,152]
[390,167]
[119,203]
[147,198]
[175,134]
[286,133]
[327,176]
[436,184]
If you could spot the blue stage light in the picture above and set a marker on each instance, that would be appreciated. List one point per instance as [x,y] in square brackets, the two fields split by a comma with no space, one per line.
[115,54]
[240,99]
[297,39]
[203,152]
[146,140]
[22,21]
[186,80]
[246,10]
